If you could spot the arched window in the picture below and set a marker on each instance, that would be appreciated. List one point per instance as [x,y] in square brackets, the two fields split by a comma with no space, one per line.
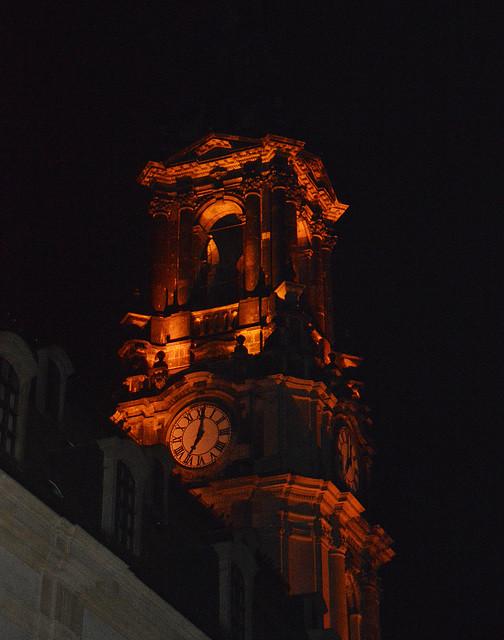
[9,394]
[125,506]
[237,603]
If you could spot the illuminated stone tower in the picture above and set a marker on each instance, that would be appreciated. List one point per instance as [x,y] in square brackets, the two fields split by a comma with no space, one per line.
[233,372]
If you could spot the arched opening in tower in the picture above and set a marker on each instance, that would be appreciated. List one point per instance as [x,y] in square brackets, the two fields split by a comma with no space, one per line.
[221,272]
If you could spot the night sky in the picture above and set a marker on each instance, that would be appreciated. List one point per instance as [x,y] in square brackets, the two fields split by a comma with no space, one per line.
[400,100]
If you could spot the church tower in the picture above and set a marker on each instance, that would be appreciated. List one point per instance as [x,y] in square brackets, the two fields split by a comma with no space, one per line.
[232,371]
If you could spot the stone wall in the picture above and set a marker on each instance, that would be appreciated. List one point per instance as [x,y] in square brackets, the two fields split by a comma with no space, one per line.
[57,582]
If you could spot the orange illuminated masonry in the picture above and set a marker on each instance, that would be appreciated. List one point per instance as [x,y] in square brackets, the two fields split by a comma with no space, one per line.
[232,372]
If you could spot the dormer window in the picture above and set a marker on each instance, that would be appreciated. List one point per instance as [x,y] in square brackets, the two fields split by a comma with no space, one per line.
[9,394]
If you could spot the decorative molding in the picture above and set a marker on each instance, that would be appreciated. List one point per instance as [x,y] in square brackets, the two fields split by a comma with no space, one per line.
[306,171]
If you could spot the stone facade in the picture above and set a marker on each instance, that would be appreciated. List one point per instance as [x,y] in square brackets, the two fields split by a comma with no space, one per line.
[57,582]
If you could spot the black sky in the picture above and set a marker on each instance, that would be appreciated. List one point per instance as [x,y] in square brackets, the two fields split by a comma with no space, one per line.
[401,102]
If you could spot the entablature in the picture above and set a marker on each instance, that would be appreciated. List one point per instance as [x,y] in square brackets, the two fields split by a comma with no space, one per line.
[230,167]
[303,502]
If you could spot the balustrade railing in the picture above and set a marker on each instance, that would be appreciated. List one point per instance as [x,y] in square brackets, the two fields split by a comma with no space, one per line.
[214,322]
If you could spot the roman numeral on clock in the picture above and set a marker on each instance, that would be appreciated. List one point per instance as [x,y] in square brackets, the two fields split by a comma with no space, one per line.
[178,452]
[219,445]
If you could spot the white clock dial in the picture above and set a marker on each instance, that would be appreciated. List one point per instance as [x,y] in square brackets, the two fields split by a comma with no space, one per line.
[200,435]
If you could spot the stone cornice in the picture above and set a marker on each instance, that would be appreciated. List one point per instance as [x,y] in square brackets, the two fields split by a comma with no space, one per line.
[341,511]
[146,407]
[293,489]
[379,543]
[232,153]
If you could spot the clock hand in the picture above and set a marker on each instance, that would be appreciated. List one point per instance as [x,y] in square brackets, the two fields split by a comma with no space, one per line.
[201,430]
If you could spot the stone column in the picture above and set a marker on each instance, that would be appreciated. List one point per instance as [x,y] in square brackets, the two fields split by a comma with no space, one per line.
[185,278]
[252,240]
[317,290]
[370,606]
[338,598]
[284,235]
[278,238]
[159,246]
[164,253]
[304,261]
[266,233]
[354,622]
[291,207]
[284,544]
[223,550]
[326,249]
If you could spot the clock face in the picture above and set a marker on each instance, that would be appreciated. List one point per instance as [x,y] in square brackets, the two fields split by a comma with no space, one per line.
[200,435]
[349,461]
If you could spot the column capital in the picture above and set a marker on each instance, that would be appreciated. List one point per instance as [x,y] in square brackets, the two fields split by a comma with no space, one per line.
[187,199]
[335,537]
[320,229]
[340,541]
[281,177]
[294,193]
[163,205]
[369,578]
[252,184]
